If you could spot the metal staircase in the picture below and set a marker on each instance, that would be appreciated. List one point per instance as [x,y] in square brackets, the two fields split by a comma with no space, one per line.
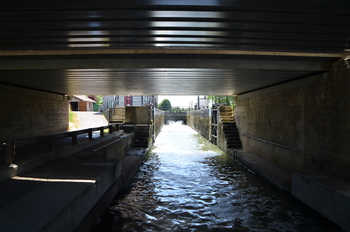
[141,136]
[229,127]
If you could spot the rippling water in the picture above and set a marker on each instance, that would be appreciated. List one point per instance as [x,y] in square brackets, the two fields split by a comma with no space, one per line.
[187,184]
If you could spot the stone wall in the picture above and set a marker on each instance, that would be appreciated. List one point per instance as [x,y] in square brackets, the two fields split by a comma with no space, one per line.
[309,117]
[200,121]
[28,113]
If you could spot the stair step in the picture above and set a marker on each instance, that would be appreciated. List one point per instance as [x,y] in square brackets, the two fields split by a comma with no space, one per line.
[225,108]
[236,138]
[234,143]
[234,147]
[227,119]
[229,124]
[231,131]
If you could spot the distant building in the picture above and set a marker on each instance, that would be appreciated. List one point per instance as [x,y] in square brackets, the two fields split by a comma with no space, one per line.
[81,103]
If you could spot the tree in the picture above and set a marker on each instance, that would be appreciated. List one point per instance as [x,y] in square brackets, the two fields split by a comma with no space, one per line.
[165,105]
[229,100]
[97,98]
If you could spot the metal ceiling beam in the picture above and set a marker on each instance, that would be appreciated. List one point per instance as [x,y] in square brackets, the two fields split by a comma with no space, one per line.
[168,46]
[307,6]
[162,51]
[168,61]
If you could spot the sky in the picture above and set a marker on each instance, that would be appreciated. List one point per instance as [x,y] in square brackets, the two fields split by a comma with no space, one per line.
[180,100]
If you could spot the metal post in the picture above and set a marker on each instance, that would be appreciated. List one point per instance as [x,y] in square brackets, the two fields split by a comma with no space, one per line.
[10,152]
[74,138]
[90,133]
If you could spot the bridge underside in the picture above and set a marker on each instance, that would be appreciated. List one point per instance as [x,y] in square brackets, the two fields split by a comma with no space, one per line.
[279,56]
[168,47]
[159,74]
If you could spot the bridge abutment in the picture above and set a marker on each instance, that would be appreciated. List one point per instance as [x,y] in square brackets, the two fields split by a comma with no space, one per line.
[27,113]
[304,126]
[300,125]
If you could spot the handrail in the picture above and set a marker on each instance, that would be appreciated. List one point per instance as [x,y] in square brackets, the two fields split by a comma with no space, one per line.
[10,146]
[269,142]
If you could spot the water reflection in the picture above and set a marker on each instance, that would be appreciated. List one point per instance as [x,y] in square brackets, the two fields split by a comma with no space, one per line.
[189,185]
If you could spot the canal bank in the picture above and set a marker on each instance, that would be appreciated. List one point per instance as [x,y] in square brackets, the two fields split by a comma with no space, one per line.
[327,192]
[71,192]
[65,181]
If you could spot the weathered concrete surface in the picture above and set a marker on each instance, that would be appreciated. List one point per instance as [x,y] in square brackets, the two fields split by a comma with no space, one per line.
[29,113]
[199,120]
[327,194]
[68,193]
[175,117]
[311,116]
[304,125]
[267,170]
[131,163]
[158,122]
[55,197]
[34,155]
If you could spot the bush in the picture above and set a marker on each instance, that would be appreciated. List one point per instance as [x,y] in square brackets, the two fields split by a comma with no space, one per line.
[165,105]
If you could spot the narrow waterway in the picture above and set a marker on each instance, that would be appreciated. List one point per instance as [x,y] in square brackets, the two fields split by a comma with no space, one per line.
[187,184]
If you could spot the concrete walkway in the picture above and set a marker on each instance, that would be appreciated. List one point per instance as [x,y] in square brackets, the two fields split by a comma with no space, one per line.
[89,119]
[327,194]
[68,194]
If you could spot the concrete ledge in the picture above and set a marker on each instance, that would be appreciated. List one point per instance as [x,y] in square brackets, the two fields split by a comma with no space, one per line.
[43,157]
[7,171]
[58,191]
[277,176]
[131,163]
[327,194]
[55,197]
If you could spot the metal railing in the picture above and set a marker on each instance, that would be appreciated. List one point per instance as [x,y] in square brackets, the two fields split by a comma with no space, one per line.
[10,147]
[272,143]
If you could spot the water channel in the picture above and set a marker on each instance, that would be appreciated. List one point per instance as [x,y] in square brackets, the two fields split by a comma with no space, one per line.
[187,184]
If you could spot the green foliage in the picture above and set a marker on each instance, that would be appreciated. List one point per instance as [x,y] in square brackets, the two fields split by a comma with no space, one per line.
[178,109]
[97,98]
[229,100]
[73,120]
[165,105]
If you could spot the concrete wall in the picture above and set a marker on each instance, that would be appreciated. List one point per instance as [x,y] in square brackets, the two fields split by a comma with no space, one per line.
[158,122]
[28,113]
[175,117]
[200,121]
[311,115]
[137,114]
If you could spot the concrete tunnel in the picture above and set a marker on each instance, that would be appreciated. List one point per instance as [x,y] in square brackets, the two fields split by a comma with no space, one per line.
[286,62]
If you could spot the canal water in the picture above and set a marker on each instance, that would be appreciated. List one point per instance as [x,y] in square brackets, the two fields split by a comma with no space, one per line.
[187,184]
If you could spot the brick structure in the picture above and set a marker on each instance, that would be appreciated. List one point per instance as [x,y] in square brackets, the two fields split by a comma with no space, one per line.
[29,113]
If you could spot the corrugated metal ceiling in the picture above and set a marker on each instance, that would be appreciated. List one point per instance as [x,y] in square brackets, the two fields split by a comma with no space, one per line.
[70,47]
